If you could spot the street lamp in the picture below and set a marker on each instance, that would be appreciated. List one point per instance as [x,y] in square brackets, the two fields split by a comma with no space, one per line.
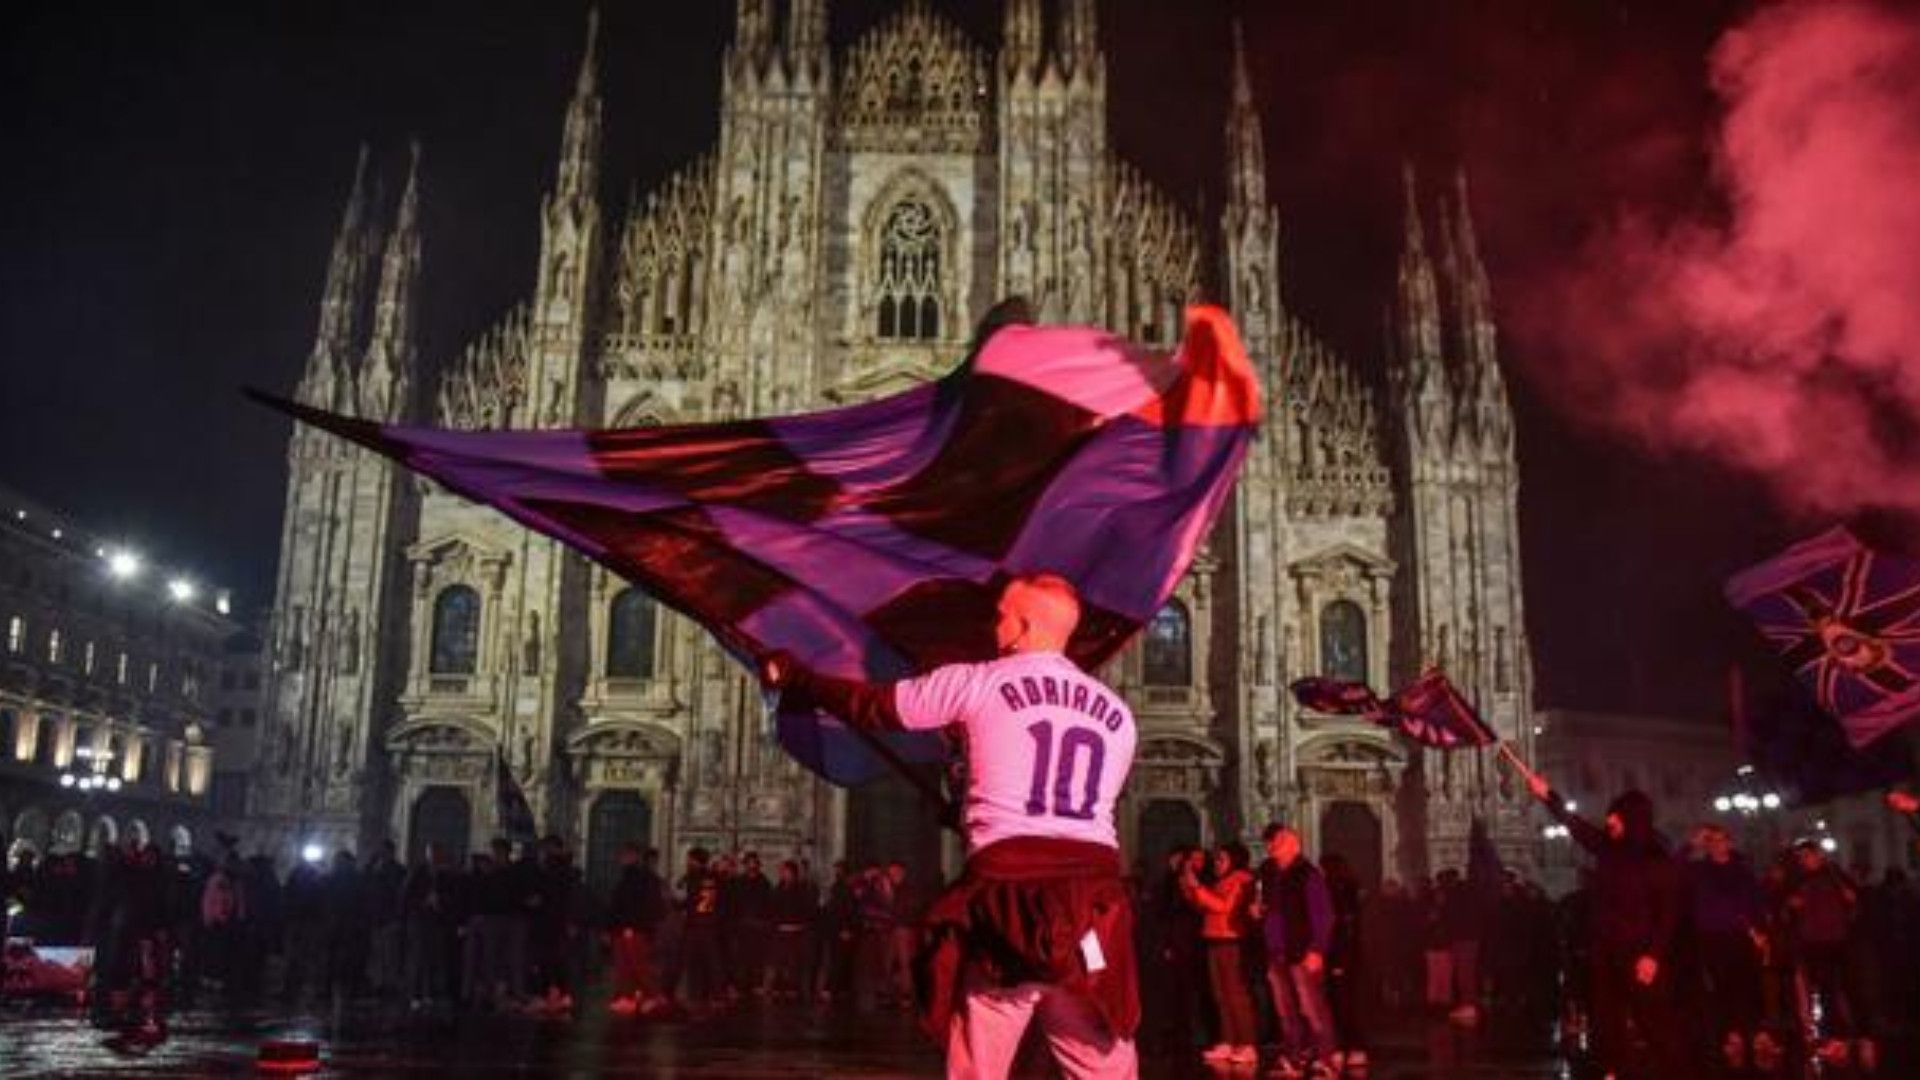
[180,589]
[123,564]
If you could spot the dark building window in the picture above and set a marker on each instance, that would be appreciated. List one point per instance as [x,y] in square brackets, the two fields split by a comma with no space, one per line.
[630,631]
[1169,647]
[1343,641]
[456,631]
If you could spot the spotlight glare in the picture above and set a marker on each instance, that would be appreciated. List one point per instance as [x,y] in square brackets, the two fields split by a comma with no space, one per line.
[180,589]
[312,853]
[123,564]
[1829,845]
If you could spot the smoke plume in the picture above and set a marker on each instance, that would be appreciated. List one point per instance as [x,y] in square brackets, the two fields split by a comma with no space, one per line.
[1778,332]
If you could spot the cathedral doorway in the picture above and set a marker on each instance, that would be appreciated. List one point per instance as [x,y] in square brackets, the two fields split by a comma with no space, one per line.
[617,817]
[1351,830]
[441,815]
[1165,824]
[889,820]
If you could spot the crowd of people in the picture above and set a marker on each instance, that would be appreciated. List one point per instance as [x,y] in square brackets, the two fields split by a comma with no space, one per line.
[1688,962]
[1755,968]
[515,927]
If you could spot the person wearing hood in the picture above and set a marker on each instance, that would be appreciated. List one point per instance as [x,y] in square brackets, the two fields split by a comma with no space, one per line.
[1632,923]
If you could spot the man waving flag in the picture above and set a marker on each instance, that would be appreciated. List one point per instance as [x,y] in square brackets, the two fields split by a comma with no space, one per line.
[872,541]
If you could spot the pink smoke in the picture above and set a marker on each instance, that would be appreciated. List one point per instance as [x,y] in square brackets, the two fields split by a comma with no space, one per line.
[1780,335]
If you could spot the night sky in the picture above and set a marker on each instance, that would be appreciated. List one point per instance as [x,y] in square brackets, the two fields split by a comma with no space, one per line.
[175,173]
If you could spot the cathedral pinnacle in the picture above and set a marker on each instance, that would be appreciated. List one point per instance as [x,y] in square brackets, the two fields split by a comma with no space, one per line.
[1246,148]
[580,139]
[386,375]
[1419,300]
[1021,36]
[1079,37]
[342,302]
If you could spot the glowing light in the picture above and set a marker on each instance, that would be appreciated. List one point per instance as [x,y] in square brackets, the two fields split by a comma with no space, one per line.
[66,779]
[1723,804]
[57,534]
[123,564]
[180,589]
[312,853]
[1770,800]
[1829,845]
[1572,806]
[223,605]
[113,783]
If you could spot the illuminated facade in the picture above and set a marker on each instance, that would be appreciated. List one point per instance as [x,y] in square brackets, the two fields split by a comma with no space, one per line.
[860,208]
[107,673]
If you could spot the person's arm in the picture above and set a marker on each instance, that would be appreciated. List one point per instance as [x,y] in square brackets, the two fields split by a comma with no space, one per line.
[924,703]
[865,705]
[1217,899]
[1584,832]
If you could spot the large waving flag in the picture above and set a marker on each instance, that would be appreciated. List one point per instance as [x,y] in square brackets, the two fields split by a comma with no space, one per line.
[1846,619]
[871,541]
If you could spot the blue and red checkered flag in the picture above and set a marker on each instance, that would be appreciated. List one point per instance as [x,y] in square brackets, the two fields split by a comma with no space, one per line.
[1430,711]
[510,807]
[872,541]
[1337,697]
[1846,619]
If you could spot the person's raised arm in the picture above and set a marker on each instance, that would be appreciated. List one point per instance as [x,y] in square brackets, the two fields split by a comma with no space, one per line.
[865,705]
[1584,832]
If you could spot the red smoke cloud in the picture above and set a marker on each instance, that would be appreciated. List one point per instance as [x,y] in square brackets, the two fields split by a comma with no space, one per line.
[1780,334]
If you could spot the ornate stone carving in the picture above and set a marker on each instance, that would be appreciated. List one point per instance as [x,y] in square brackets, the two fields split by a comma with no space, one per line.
[915,85]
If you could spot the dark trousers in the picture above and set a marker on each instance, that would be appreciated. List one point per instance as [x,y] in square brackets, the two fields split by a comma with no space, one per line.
[429,963]
[1626,1013]
[1231,994]
[704,960]
[1730,987]
[787,959]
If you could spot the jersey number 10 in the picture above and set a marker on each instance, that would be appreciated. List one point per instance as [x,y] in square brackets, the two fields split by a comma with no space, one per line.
[1072,741]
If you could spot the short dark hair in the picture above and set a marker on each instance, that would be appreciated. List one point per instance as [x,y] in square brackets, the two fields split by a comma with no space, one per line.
[1273,829]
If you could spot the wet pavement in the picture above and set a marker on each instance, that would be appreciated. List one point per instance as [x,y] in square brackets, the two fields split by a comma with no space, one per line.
[753,1042]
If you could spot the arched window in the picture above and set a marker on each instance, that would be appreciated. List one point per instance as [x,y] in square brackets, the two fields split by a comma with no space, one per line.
[1343,641]
[909,281]
[1169,647]
[630,629]
[456,631]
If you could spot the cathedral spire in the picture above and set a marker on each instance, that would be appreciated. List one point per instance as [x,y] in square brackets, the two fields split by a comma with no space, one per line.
[341,301]
[1021,36]
[1079,37]
[806,30]
[1419,299]
[1474,294]
[580,139]
[752,30]
[1484,388]
[1246,148]
[387,375]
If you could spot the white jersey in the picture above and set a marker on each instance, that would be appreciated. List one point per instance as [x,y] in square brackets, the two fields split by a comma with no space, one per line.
[1048,746]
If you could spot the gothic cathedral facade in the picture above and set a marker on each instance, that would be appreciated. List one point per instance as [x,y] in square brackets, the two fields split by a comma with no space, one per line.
[861,208]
